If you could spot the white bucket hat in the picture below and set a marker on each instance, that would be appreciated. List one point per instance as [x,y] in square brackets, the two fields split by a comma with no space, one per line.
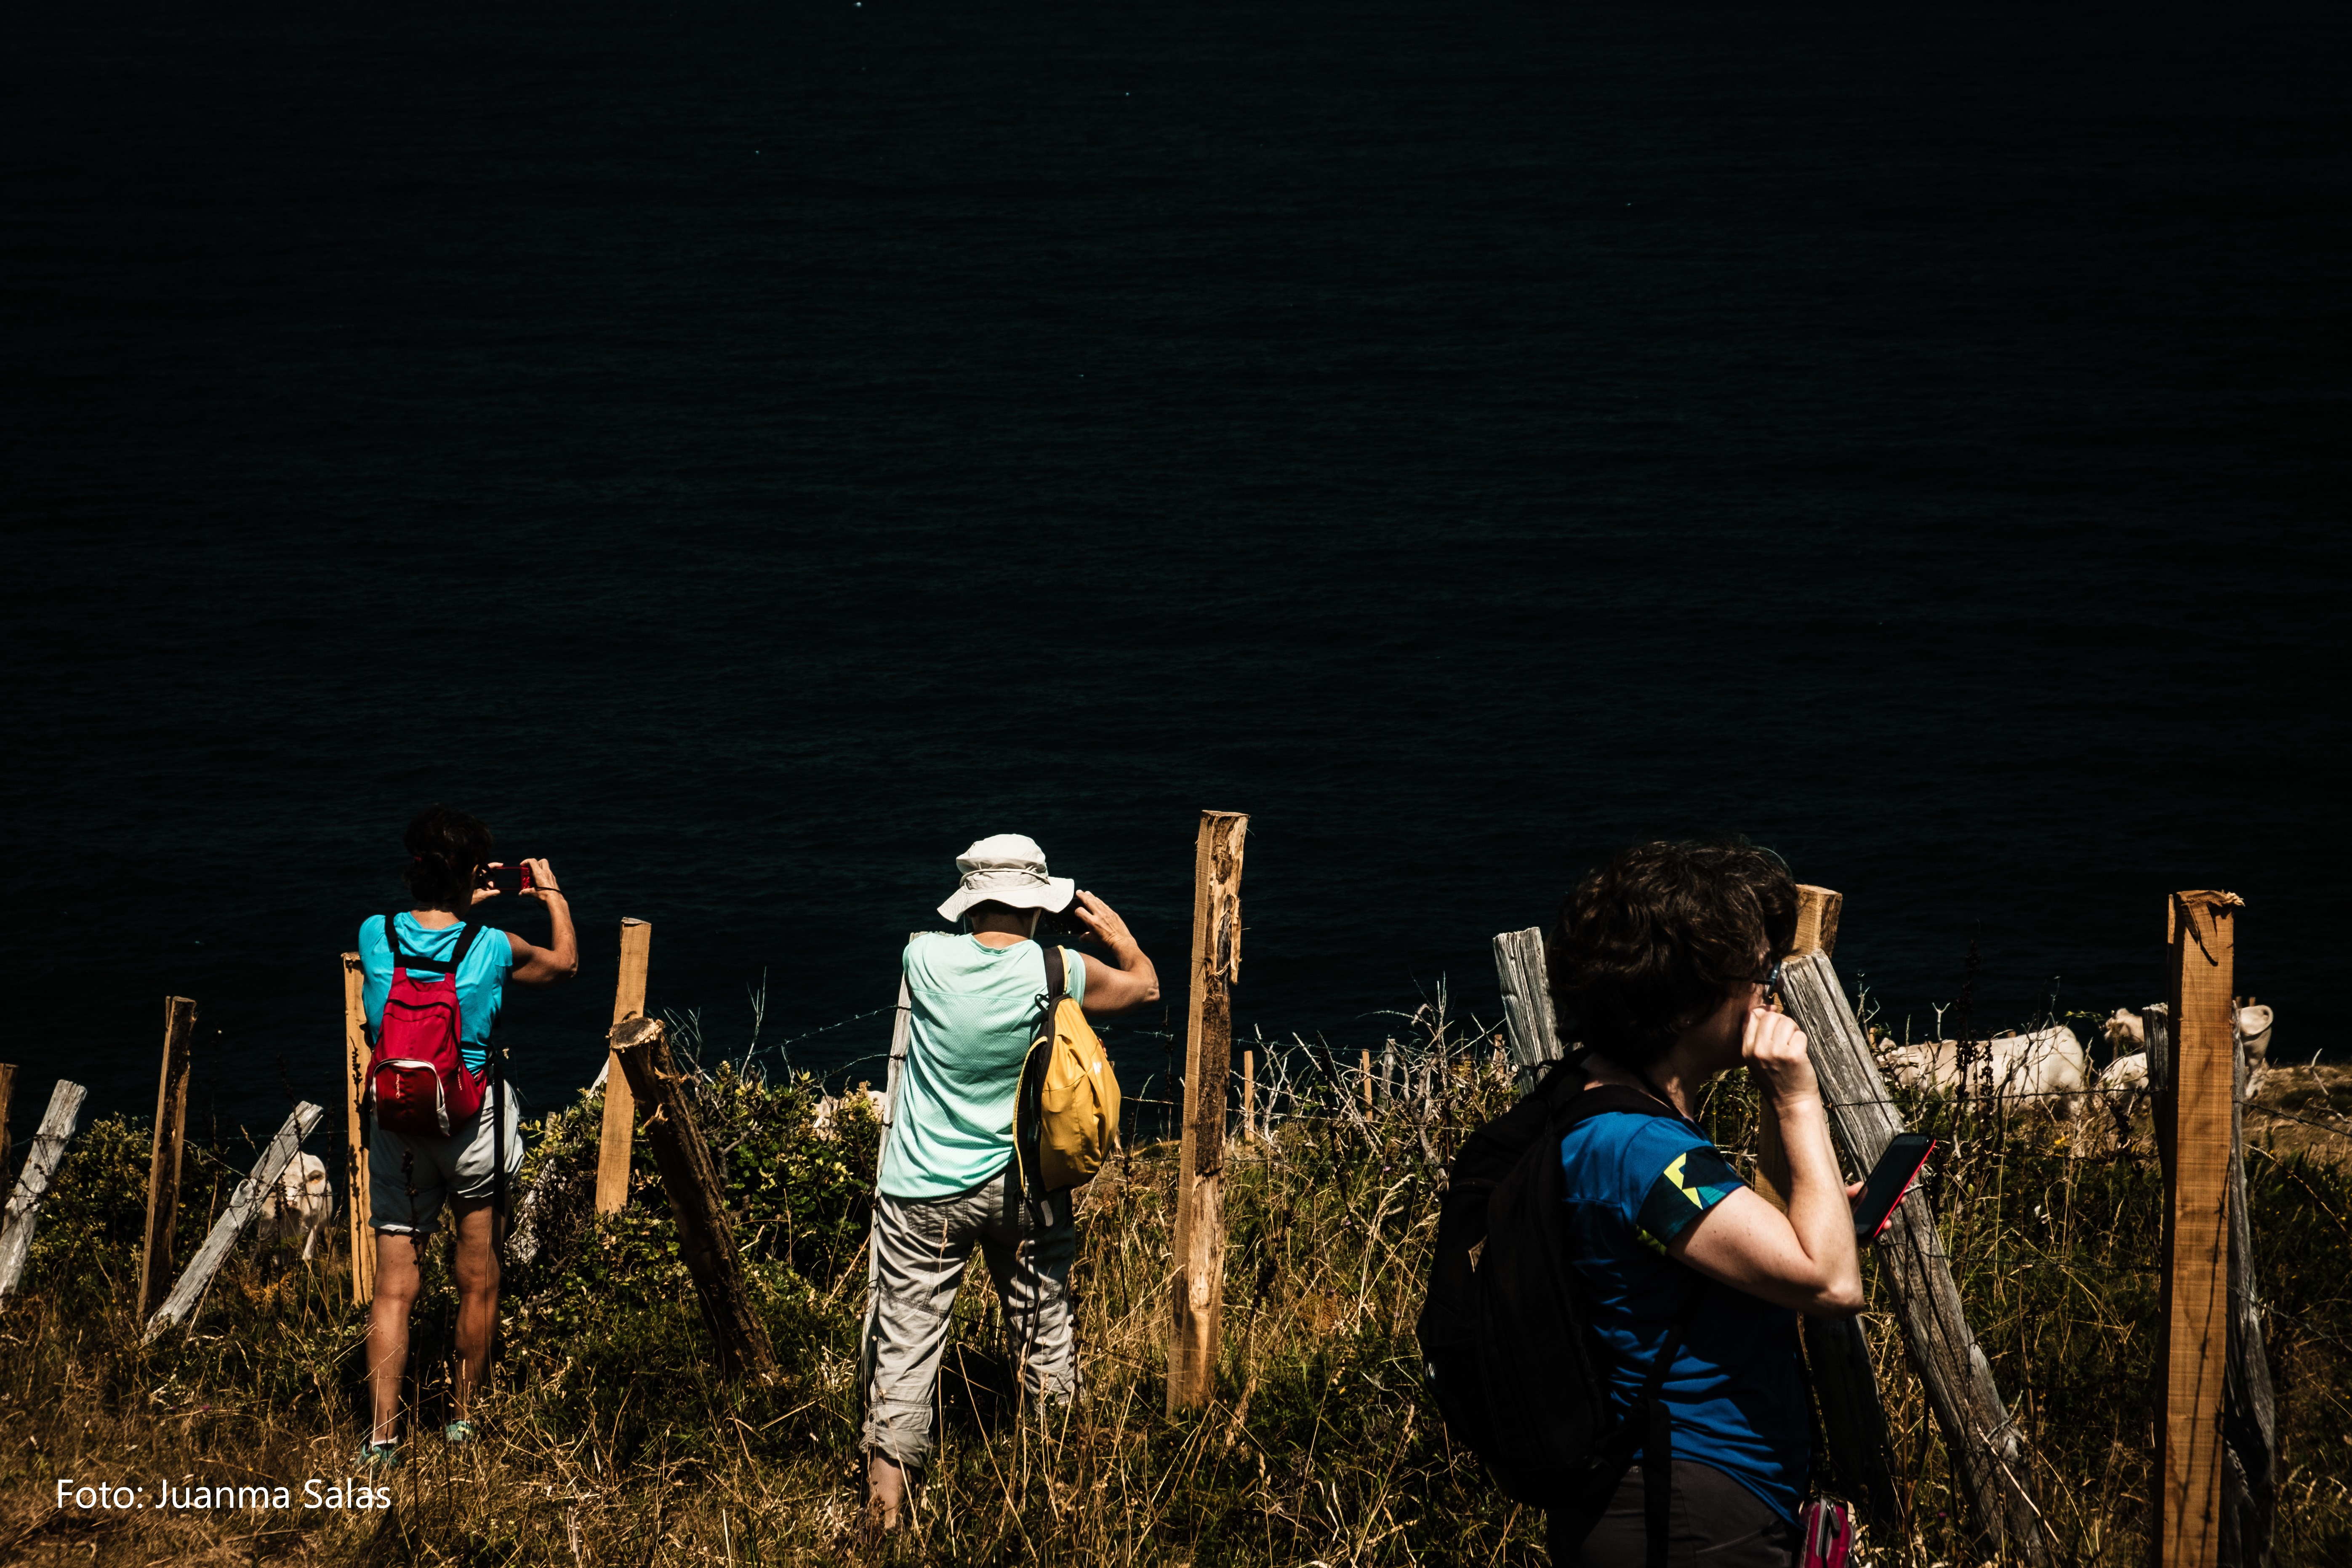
[1007,868]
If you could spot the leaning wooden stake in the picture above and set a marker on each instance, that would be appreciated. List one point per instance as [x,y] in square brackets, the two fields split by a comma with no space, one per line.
[620,1113]
[1527,1003]
[359,1204]
[41,1163]
[180,1306]
[1986,1451]
[697,1197]
[163,1159]
[2192,1335]
[1200,1244]
[1853,1412]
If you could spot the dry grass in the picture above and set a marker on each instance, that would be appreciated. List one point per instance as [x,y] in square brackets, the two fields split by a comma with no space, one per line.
[609,1440]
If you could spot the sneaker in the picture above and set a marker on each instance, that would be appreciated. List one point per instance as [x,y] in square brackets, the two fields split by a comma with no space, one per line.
[458,1433]
[379,1456]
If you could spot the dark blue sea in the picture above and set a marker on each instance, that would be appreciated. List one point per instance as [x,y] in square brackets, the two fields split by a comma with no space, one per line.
[745,452]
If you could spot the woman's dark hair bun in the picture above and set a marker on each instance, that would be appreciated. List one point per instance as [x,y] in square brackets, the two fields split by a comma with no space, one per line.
[446,846]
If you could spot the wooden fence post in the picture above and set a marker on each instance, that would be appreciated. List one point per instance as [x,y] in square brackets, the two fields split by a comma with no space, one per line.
[163,1161]
[41,1161]
[180,1306]
[1527,1003]
[357,1196]
[1249,1095]
[2192,1339]
[620,1112]
[1364,1077]
[1986,1453]
[1854,1411]
[697,1198]
[1199,1243]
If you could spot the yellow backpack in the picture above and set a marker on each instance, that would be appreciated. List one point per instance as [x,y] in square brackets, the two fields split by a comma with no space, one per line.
[1067,1120]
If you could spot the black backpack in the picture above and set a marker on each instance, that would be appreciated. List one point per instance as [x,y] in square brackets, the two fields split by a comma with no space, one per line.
[1507,1355]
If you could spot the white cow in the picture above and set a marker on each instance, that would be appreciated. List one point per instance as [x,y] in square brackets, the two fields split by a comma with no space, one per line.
[2047,1067]
[298,1203]
[829,1108]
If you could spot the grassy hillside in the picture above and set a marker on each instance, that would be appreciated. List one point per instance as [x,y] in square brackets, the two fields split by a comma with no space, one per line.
[609,1440]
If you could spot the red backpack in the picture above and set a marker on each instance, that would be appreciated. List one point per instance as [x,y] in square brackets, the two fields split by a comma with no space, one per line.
[416,1075]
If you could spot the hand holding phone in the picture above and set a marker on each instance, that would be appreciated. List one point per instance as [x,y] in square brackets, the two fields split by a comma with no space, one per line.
[499,878]
[1905,1157]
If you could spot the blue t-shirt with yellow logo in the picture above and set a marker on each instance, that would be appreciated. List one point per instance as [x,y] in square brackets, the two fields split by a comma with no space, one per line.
[1736,1392]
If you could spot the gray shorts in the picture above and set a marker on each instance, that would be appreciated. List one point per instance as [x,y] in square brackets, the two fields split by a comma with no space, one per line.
[410,1178]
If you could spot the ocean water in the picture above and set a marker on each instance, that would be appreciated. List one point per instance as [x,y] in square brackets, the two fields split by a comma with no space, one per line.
[746,452]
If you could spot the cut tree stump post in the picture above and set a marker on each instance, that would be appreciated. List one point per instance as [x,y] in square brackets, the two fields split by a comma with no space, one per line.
[2193,1325]
[1249,1095]
[163,1160]
[41,1161]
[1986,1451]
[697,1197]
[180,1306]
[620,1112]
[1527,1003]
[358,1203]
[1199,1286]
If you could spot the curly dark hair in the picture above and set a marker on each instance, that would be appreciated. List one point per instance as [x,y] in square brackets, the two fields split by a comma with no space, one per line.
[446,847]
[1654,939]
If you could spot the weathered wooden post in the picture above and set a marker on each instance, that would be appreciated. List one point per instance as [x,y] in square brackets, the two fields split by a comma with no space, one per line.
[2192,1339]
[1199,1242]
[1986,1451]
[1817,924]
[697,1197]
[163,1160]
[1853,1412]
[620,1111]
[7,1089]
[1364,1077]
[1527,1003]
[359,1197]
[41,1161]
[180,1306]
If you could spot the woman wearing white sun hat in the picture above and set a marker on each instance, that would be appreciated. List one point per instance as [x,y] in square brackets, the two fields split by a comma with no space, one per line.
[946,1182]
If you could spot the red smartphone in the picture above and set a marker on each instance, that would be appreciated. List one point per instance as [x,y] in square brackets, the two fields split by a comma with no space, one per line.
[1905,1157]
[514,878]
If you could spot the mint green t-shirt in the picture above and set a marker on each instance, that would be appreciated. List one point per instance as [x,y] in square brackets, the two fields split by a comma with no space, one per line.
[974,1007]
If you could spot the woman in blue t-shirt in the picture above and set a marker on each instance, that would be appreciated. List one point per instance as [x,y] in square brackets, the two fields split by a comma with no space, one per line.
[1664,964]
[411,1178]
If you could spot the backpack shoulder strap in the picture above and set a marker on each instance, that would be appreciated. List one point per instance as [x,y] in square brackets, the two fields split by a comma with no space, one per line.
[392,941]
[465,944]
[1057,980]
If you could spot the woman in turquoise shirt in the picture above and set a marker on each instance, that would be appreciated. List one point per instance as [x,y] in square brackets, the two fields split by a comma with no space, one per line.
[412,1178]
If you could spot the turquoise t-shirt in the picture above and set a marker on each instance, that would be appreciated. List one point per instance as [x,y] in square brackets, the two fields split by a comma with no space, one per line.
[1735,1394]
[973,1008]
[481,984]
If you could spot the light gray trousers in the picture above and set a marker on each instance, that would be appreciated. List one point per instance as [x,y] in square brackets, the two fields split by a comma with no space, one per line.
[919,1249]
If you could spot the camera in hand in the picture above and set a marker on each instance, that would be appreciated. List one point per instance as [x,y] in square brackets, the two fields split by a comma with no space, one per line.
[514,878]
[1063,923]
